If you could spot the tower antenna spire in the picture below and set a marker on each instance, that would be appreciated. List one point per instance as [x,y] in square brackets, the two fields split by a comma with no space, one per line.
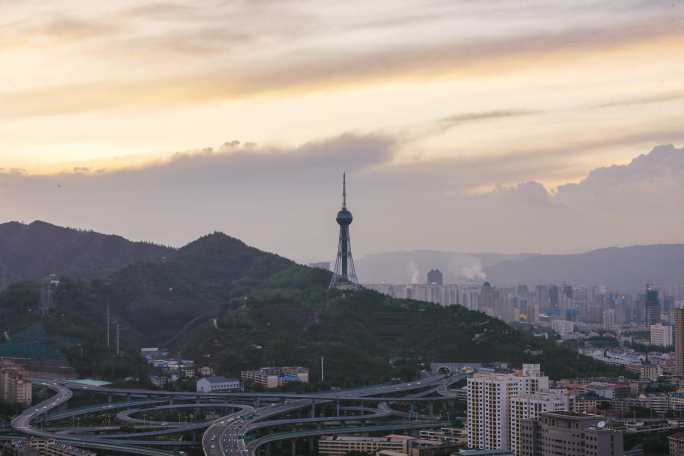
[344,190]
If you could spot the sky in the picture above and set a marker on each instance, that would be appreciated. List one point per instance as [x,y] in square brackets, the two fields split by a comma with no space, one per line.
[500,125]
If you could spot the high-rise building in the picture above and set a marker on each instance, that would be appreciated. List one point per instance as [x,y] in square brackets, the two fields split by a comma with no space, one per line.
[488,410]
[489,402]
[652,306]
[488,298]
[679,341]
[570,434]
[435,277]
[15,383]
[609,319]
[661,335]
[525,406]
[344,275]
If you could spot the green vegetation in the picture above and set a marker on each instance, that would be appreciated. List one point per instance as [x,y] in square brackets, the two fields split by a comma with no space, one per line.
[647,348]
[9,411]
[604,341]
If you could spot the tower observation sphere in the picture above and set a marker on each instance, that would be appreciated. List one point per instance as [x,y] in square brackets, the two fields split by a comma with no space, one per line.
[344,275]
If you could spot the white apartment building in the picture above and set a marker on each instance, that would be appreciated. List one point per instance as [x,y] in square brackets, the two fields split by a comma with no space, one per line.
[661,335]
[469,296]
[489,401]
[487,415]
[564,328]
[524,405]
[609,319]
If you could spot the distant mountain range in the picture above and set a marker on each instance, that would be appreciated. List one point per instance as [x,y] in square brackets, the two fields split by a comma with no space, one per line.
[31,252]
[232,306]
[625,269]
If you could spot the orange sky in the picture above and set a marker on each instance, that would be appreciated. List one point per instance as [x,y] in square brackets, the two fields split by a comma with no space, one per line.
[104,85]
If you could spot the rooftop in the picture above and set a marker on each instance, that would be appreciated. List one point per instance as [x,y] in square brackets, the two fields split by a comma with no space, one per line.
[217,379]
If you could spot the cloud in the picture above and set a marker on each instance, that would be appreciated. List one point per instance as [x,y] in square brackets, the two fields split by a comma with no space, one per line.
[455,120]
[56,30]
[637,101]
[285,200]
[320,61]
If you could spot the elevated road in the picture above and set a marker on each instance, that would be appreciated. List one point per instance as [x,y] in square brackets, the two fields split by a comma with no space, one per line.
[227,436]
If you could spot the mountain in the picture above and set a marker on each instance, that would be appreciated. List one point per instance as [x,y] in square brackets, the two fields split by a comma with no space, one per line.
[625,269]
[33,251]
[200,279]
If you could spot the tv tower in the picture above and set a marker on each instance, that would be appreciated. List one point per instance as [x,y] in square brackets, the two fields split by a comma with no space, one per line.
[344,275]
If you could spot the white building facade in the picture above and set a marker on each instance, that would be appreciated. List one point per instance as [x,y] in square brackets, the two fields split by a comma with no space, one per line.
[661,335]
[490,397]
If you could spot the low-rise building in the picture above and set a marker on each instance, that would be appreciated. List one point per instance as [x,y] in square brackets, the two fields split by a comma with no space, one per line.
[205,371]
[451,435]
[650,372]
[341,445]
[218,384]
[41,447]
[273,377]
[570,434]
